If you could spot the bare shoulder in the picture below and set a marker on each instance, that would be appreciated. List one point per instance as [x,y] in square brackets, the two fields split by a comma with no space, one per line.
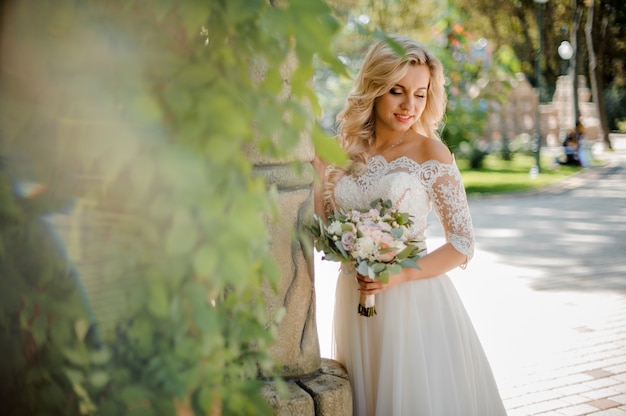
[425,148]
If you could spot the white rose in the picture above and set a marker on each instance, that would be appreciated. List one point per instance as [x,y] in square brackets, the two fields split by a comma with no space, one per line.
[334,228]
[365,248]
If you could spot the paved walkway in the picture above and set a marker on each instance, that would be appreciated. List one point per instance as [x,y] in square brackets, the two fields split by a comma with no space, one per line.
[546,291]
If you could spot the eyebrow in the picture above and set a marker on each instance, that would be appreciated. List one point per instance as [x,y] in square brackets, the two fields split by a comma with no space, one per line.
[404,88]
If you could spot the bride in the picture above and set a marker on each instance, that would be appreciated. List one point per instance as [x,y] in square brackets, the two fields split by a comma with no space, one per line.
[419,355]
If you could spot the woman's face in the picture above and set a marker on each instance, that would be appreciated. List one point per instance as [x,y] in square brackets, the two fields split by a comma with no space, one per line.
[401,106]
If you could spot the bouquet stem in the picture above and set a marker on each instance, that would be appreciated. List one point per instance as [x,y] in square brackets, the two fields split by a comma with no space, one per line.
[367,305]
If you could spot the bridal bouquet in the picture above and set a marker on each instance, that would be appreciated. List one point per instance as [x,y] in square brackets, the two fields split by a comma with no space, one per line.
[377,241]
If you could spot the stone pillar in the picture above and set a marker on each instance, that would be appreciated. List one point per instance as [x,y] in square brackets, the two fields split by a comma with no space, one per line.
[563,100]
[316,386]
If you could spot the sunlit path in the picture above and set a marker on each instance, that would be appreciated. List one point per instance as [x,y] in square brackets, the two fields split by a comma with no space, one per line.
[546,291]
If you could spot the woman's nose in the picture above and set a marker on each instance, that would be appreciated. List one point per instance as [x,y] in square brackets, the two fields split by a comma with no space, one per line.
[407,103]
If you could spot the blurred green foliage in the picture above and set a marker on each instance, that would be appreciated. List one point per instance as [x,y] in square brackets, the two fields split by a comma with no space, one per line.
[478,76]
[478,79]
[137,115]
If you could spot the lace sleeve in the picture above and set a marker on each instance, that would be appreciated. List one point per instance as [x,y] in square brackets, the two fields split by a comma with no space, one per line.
[446,190]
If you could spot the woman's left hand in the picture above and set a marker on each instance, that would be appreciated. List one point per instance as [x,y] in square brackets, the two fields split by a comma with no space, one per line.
[369,286]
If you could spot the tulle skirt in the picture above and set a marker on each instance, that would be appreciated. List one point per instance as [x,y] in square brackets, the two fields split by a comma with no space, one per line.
[420,355]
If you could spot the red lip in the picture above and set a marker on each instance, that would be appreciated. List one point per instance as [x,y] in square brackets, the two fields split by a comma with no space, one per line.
[403,118]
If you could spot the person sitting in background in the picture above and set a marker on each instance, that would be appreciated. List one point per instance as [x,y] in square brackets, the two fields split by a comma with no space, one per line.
[584,147]
[570,146]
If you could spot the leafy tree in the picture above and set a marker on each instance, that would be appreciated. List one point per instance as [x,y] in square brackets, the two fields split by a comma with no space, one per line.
[514,23]
[138,113]
[605,34]
[478,74]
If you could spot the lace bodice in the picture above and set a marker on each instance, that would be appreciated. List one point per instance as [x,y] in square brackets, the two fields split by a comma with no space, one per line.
[414,188]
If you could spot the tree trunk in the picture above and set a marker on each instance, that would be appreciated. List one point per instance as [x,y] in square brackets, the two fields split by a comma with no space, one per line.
[595,74]
[573,70]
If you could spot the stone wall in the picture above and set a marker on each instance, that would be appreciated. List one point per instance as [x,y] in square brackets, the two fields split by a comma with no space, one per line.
[516,117]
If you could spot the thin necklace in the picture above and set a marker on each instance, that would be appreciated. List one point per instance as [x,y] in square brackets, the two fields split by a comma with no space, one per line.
[394,144]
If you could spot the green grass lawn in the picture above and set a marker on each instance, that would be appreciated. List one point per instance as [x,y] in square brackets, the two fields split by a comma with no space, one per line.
[500,176]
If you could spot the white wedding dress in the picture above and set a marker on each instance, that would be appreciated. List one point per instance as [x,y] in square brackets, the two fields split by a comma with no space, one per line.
[420,354]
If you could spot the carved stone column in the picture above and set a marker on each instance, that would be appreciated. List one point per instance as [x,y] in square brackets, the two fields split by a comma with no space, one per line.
[316,386]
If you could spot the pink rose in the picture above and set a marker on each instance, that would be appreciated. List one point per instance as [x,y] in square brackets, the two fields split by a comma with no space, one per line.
[347,240]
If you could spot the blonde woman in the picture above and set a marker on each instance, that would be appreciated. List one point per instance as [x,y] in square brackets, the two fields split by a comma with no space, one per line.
[419,355]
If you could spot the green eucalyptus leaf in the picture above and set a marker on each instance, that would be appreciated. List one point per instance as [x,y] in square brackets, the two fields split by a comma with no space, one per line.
[375,203]
[378,267]
[410,263]
[394,269]
[405,253]
[396,233]
[362,268]
[334,257]
[339,247]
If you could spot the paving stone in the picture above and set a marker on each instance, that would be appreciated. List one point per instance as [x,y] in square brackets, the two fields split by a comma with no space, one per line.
[611,412]
[578,410]
[604,404]
[600,393]
[546,291]
[575,399]
[621,398]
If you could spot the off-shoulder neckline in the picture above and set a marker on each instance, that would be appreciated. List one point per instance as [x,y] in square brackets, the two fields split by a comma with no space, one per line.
[426,162]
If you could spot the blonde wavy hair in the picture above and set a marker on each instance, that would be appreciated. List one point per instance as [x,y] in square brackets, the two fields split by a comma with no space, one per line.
[381,70]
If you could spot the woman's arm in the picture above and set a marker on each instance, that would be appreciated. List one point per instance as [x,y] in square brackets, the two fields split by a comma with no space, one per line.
[435,263]
[446,190]
[318,186]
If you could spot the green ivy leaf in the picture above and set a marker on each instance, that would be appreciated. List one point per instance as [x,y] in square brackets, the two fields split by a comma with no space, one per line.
[98,379]
[161,9]
[78,358]
[39,330]
[142,174]
[134,394]
[147,108]
[80,329]
[194,14]
[205,261]
[158,304]
[328,149]
[181,239]
[241,10]
[75,376]
[100,356]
